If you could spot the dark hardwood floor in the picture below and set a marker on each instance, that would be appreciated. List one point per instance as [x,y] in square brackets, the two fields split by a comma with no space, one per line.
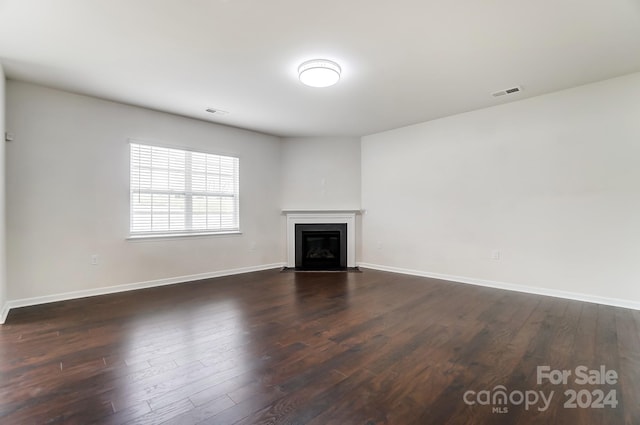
[317,348]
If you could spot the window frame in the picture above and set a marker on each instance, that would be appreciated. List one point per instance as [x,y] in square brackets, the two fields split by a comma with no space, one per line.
[188,193]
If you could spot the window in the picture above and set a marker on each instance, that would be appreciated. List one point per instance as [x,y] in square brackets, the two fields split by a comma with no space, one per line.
[176,191]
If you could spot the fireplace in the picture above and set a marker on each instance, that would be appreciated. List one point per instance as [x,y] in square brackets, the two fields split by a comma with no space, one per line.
[346,221]
[321,246]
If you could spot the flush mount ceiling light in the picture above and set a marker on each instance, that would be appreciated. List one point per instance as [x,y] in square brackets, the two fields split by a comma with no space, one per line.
[319,73]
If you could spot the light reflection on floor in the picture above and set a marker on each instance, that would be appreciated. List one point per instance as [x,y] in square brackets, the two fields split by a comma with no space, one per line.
[215,336]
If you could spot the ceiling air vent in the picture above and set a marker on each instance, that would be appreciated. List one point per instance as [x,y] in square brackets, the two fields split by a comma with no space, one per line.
[215,111]
[505,92]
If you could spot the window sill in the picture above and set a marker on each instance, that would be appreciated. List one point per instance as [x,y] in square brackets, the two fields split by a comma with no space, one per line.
[181,235]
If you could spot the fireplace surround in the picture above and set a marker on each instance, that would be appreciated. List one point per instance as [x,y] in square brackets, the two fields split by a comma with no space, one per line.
[322,217]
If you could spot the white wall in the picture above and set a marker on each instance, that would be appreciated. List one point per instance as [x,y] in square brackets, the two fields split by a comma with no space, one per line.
[321,173]
[3,253]
[67,195]
[552,182]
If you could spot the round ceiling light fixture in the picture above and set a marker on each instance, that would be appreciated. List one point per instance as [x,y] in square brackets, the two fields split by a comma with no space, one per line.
[319,73]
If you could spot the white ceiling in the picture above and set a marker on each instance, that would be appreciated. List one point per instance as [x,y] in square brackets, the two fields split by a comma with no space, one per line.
[404,61]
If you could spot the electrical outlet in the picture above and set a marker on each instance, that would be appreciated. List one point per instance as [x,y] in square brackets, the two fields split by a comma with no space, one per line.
[94,260]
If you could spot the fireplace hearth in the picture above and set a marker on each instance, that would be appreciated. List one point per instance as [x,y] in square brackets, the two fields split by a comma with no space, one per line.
[321,246]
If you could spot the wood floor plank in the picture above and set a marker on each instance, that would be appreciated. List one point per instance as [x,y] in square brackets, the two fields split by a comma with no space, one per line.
[309,348]
[628,331]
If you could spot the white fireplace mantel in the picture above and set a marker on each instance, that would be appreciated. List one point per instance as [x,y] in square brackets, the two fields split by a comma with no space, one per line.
[321,217]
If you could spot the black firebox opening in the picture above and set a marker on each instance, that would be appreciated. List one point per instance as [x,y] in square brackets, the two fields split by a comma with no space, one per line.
[321,246]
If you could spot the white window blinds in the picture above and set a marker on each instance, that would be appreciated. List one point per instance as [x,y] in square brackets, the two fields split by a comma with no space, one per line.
[176,191]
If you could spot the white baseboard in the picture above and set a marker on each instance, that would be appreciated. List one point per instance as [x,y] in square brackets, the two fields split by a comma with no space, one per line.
[25,302]
[576,296]
[4,313]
